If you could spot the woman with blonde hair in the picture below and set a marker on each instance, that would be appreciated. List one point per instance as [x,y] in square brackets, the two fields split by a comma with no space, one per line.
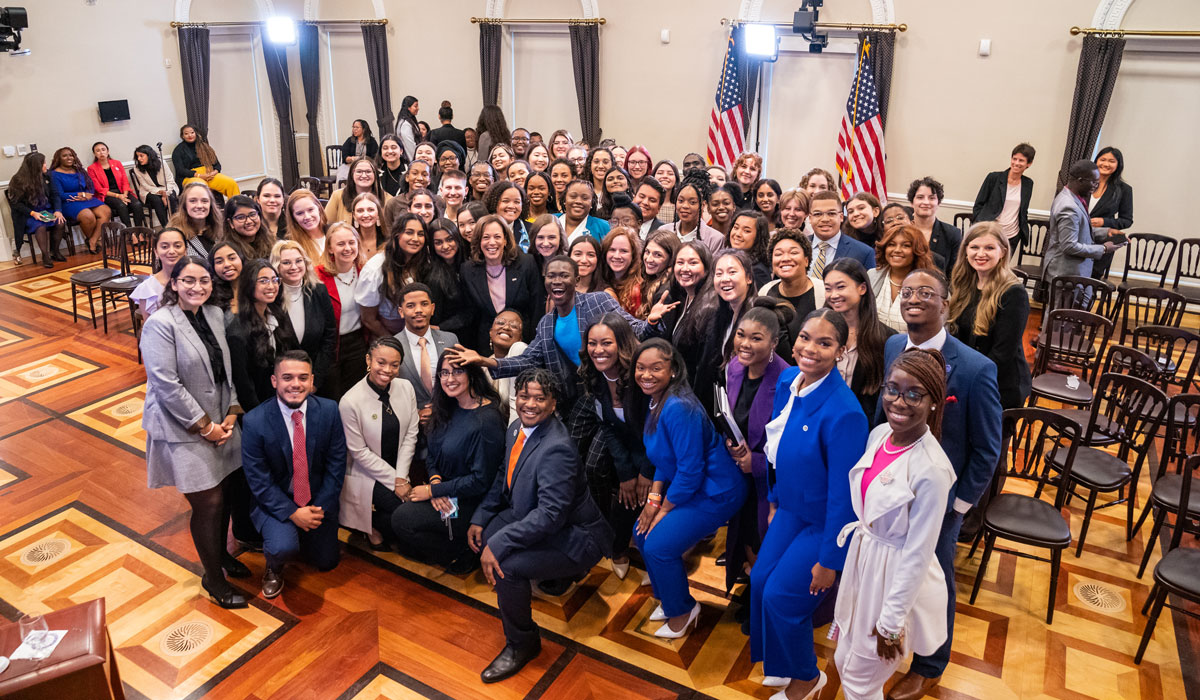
[989,308]
[306,222]
[898,252]
[338,270]
[308,308]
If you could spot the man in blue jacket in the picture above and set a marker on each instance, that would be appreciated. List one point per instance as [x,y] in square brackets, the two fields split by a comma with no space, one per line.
[829,243]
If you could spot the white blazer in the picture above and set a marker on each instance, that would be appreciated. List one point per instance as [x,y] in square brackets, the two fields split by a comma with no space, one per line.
[887,308]
[360,408]
[891,579]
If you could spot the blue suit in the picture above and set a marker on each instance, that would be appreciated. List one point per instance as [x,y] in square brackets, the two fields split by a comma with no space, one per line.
[847,247]
[706,489]
[825,435]
[971,439]
[267,461]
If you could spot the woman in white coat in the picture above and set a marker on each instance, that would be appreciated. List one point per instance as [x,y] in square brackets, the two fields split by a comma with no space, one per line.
[379,414]
[892,598]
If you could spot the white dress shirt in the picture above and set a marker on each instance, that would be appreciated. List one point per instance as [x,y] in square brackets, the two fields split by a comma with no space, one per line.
[287,418]
[830,254]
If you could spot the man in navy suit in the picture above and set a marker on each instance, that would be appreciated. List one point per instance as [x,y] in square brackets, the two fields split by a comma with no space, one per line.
[294,455]
[970,438]
[829,243]
[538,521]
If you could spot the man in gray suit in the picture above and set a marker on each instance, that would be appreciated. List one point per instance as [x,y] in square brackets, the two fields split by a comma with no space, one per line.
[422,344]
[1071,243]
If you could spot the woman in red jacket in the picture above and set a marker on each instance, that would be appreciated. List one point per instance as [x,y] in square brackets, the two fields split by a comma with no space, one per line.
[112,186]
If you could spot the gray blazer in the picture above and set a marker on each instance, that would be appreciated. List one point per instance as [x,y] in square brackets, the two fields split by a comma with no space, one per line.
[179,380]
[410,371]
[1071,244]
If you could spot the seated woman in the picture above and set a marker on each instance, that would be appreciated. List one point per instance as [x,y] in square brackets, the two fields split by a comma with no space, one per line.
[391,163]
[405,259]
[764,198]
[610,443]
[791,255]
[199,218]
[226,264]
[195,159]
[361,144]
[862,219]
[37,211]
[339,272]
[657,256]
[498,276]
[362,179]
[898,253]
[306,223]
[156,189]
[112,186]
[246,230]
[814,437]
[73,188]
[989,309]
[372,235]
[892,597]
[622,249]
[260,331]
[379,414]
[271,199]
[793,209]
[169,248]
[861,364]
[466,435]
[749,231]
[310,310]
[696,488]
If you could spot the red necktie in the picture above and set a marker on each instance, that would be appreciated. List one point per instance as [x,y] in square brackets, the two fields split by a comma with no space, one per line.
[301,491]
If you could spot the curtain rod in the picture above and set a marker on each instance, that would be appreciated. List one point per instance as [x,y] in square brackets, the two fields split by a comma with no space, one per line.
[826,25]
[1133,32]
[570,20]
[261,22]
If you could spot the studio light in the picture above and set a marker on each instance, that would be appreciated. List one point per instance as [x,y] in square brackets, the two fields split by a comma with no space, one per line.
[281,30]
[761,41]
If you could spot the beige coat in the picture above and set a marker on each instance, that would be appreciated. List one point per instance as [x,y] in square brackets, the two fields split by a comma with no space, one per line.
[360,409]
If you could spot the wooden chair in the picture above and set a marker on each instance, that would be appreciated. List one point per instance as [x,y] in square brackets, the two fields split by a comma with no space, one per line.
[1083,293]
[1120,359]
[1167,493]
[88,281]
[311,184]
[1177,352]
[1187,271]
[1128,411]
[1031,437]
[962,221]
[1178,572]
[1147,306]
[333,161]
[136,249]
[1149,254]
[1072,339]
[1033,247]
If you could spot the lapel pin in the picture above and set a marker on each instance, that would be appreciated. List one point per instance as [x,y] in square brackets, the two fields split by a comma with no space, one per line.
[374,416]
[885,479]
[806,428]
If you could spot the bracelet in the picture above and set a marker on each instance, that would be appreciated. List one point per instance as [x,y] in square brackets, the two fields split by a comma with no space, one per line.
[654,497]
[206,433]
[652,504]
[401,479]
[435,479]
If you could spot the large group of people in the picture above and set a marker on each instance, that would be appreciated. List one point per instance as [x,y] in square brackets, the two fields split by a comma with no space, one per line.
[487,350]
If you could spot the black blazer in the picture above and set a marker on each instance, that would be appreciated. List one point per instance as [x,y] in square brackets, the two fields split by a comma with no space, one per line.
[520,294]
[251,378]
[944,242]
[1115,206]
[449,132]
[868,396]
[350,147]
[624,441]
[549,505]
[990,200]
[320,332]
[1003,343]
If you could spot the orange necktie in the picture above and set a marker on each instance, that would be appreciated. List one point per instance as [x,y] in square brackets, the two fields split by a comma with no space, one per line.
[426,373]
[515,455]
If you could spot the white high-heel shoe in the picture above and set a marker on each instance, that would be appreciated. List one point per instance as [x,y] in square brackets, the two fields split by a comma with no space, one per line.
[658,615]
[775,681]
[621,570]
[665,632]
[822,679]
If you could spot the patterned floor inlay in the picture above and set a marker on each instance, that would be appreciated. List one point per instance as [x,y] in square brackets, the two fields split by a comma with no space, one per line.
[53,288]
[170,640]
[41,374]
[10,337]
[118,417]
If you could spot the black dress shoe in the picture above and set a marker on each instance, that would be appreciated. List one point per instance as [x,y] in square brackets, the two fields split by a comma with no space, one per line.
[509,662]
[226,596]
[56,256]
[233,567]
[721,560]
[272,583]
[464,565]
[555,586]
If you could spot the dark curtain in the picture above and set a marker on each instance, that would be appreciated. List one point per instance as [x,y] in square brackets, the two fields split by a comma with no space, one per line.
[489,61]
[310,75]
[748,73]
[375,42]
[194,64]
[275,56]
[882,57]
[1099,62]
[585,59]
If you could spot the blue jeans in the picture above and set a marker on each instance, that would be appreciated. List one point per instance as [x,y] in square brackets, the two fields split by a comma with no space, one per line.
[935,664]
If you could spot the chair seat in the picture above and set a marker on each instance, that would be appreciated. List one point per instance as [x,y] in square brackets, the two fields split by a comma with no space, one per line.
[94,277]
[124,284]
[1019,517]
[1168,489]
[1180,569]
[1082,416]
[1053,385]
[1033,271]
[1096,469]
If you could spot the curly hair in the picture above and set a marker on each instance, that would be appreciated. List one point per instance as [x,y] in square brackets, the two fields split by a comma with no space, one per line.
[543,378]
[491,199]
[813,173]
[594,382]
[934,186]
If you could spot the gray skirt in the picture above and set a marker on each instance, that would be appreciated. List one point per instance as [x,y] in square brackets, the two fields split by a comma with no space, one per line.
[191,466]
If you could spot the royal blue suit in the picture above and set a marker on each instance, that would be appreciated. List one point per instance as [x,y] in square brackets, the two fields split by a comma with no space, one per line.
[971,439]
[825,435]
[848,247]
[706,489]
[267,461]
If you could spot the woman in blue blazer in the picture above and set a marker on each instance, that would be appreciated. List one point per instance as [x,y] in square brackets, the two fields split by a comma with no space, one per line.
[818,433]
[703,487]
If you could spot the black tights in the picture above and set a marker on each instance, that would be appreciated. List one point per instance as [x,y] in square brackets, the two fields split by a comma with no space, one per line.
[209,523]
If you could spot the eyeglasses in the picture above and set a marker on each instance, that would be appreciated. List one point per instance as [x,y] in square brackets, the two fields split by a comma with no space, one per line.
[452,372]
[911,398]
[243,218]
[823,214]
[194,282]
[498,324]
[267,281]
[923,293]
[894,220]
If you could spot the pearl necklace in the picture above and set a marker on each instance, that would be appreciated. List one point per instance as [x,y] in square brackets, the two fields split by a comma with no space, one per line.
[902,449]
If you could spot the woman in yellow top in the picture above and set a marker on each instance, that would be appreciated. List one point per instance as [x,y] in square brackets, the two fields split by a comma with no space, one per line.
[193,160]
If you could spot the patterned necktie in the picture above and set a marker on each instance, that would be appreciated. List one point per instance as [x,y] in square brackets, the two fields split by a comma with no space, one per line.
[426,372]
[819,265]
[515,455]
[301,491]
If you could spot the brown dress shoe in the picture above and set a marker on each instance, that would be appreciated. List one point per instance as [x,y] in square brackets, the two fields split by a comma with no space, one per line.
[272,583]
[912,686]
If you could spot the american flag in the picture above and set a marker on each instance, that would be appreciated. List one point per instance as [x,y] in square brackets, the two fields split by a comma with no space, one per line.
[725,140]
[860,152]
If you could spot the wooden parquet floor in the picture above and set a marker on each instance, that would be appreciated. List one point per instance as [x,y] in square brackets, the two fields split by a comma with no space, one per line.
[77,522]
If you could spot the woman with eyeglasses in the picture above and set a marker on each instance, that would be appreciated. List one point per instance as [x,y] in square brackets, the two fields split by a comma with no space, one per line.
[892,598]
[246,230]
[310,310]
